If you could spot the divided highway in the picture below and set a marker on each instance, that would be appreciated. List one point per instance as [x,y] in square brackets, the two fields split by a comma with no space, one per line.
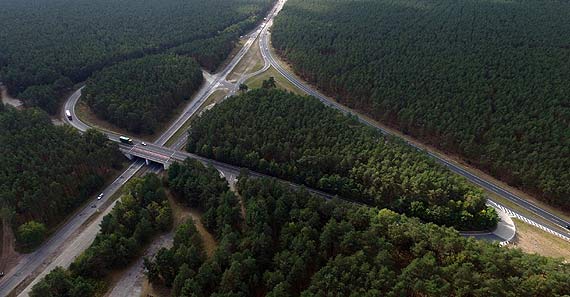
[63,246]
[70,241]
[486,184]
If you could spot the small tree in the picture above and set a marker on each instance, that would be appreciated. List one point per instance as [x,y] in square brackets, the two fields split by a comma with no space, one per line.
[31,234]
[243,88]
[269,83]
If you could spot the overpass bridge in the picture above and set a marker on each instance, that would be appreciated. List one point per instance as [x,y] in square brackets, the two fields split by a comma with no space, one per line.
[167,156]
[163,156]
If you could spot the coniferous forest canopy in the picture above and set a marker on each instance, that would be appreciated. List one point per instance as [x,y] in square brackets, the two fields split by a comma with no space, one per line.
[139,94]
[299,139]
[47,171]
[142,212]
[486,79]
[291,243]
[47,45]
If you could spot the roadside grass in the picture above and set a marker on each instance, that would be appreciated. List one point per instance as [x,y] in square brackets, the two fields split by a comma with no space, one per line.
[86,115]
[114,276]
[524,211]
[281,82]
[215,97]
[251,62]
[101,285]
[77,210]
[562,214]
[533,240]
[237,47]
[110,200]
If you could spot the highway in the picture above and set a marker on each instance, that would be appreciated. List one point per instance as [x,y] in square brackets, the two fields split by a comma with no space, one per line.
[68,241]
[58,241]
[175,155]
[62,247]
[488,185]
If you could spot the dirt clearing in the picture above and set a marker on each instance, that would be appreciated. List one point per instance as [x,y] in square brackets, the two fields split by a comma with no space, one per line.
[8,255]
[533,240]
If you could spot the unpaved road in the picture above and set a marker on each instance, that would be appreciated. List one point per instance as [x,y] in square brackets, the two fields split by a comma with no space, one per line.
[131,282]
[6,99]
[8,256]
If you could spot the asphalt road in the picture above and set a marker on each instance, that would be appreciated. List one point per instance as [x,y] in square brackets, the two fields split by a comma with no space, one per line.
[486,184]
[30,262]
[66,244]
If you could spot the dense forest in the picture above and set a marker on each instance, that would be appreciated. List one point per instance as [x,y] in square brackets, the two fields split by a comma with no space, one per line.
[47,170]
[48,45]
[299,139]
[485,79]
[139,94]
[142,212]
[291,243]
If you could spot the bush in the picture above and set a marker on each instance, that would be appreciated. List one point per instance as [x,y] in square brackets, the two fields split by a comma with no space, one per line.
[31,234]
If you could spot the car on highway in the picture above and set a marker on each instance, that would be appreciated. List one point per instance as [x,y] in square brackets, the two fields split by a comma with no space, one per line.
[567,227]
[100,196]
[2,274]
[126,140]
[93,206]
[143,143]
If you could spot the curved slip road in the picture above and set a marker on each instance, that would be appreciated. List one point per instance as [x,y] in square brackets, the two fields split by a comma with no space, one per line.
[486,184]
[64,240]
[57,242]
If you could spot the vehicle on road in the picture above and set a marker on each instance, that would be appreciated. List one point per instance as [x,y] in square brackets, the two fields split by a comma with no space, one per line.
[100,196]
[126,140]
[68,115]
[567,227]
[93,206]
[2,274]
[143,143]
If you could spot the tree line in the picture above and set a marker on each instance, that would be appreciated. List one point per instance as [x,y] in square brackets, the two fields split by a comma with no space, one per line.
[47,171]
[140,94]
[49,46]
[299,139]
[141,213]
[291,243]
[485,80]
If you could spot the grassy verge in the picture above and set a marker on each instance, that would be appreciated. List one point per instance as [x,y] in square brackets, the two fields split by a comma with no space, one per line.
[77,209]
[457,159]
[87,116]
[237,47]
[281,82]
[214,98]
[523,211]
[251,62]
[533,240]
